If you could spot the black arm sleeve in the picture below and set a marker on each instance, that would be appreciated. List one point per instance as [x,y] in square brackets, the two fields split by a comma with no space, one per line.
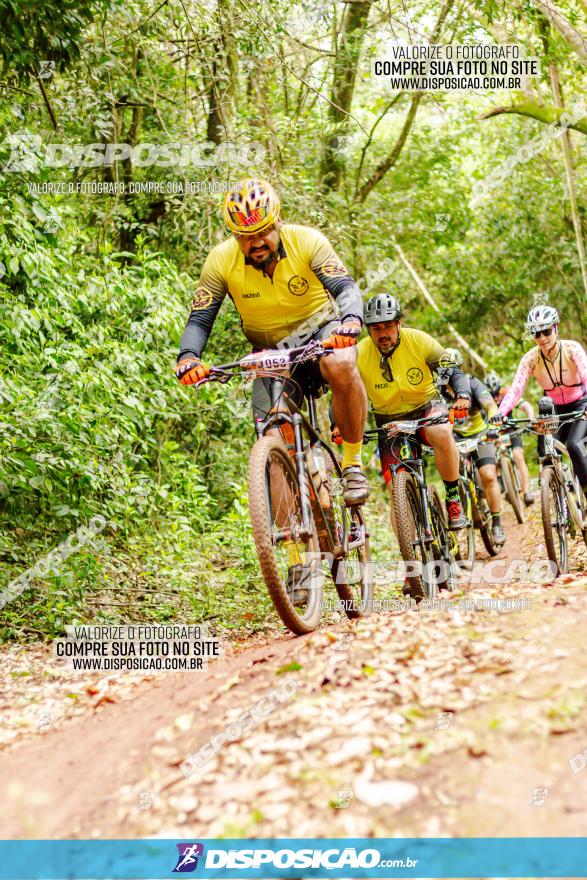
[460,383]
[197,330]
[346,293]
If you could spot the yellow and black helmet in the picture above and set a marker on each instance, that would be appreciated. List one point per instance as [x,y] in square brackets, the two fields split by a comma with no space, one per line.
[250,208]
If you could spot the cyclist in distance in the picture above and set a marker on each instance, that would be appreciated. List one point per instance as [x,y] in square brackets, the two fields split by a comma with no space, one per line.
[498,392]
[396,364]
[475,424]
[560,368]
[289,287]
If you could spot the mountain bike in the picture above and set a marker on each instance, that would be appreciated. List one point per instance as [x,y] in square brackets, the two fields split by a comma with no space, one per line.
[562,501]
[421,525]
[474,503]
[298,515]
[507,472]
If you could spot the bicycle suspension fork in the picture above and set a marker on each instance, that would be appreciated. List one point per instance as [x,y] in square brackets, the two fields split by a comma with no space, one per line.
[301,470]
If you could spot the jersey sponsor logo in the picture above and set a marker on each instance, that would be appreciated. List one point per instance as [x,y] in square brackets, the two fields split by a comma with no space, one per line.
[415,375]
[333,269]
[202,299]
[297,285]
[251,295]
[382,385]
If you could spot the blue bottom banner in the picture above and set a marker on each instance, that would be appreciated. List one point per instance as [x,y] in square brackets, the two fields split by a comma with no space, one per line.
[294,858]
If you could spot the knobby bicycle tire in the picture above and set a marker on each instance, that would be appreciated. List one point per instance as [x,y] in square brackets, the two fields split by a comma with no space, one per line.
[340,569]
[443,552]
[262,452]
[408,518]
[465,538]
[550,488]
[509,481]
[484,519]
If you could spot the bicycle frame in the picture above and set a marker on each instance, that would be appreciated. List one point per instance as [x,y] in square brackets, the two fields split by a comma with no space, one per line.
[553,453]
[415,464]
[296,418]
[266,364]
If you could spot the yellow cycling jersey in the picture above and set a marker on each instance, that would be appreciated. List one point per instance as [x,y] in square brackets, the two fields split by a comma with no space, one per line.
[471,425]
[411,364]
[482,408]
[273,308]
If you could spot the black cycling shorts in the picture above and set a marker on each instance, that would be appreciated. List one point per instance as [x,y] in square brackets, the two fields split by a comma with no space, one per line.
[516,442]
[305,379]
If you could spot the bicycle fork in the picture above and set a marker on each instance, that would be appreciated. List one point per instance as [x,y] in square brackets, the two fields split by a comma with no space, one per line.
[302,474]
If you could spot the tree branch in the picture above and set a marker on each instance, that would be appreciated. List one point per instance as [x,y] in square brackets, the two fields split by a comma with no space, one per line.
[46,99]
[392,158]
[369,140]
[574,38]
[546,113]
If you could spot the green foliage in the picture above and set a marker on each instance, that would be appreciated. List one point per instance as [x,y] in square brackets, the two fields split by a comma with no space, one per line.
[37,32]
[94,289]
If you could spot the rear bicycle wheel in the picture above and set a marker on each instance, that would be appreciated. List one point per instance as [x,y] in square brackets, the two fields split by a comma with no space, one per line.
[410,532]
[506,467]
[287,557]
[554,520]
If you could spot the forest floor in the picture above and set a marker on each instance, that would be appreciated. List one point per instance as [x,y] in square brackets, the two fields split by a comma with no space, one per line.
[416,723]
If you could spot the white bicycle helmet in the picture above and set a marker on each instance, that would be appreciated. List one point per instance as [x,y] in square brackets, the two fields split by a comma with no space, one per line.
[541,318]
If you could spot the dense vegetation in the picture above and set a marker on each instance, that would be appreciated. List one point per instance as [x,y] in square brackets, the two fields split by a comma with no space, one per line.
[95,288]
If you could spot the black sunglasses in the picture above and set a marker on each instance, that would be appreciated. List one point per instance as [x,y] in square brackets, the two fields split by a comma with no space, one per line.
[543,332]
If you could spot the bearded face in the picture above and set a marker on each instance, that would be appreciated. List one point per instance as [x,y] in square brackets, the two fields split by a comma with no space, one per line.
[262,248]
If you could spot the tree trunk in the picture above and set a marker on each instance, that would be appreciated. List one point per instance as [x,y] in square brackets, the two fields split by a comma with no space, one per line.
[222,77]
[344,75]
[573,37]
[566,148]
[548,114]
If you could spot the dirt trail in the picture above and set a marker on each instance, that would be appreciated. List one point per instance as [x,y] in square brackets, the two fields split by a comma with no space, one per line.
[417,724]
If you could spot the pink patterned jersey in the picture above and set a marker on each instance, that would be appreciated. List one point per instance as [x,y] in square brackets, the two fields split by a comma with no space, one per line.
[564,380]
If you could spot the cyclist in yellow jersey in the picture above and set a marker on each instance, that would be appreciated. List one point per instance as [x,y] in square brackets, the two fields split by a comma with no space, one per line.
[483,408]
[396,364]
[289,286]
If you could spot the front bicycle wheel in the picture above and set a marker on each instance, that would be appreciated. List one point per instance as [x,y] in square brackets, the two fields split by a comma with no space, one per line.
[465,538]
[554,519]
[352,575]
[506,467]
[289,558]
[410,532]
[444,548]
[483,519]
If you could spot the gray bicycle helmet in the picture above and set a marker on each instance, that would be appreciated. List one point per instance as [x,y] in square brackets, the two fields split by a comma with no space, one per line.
[382,307]
[493,382]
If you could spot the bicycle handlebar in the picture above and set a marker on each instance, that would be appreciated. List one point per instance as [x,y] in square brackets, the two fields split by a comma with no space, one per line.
[407,427]
[269,360]
[549,422]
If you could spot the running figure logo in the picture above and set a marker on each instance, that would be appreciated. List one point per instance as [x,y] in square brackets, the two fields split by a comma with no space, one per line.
[189,853]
